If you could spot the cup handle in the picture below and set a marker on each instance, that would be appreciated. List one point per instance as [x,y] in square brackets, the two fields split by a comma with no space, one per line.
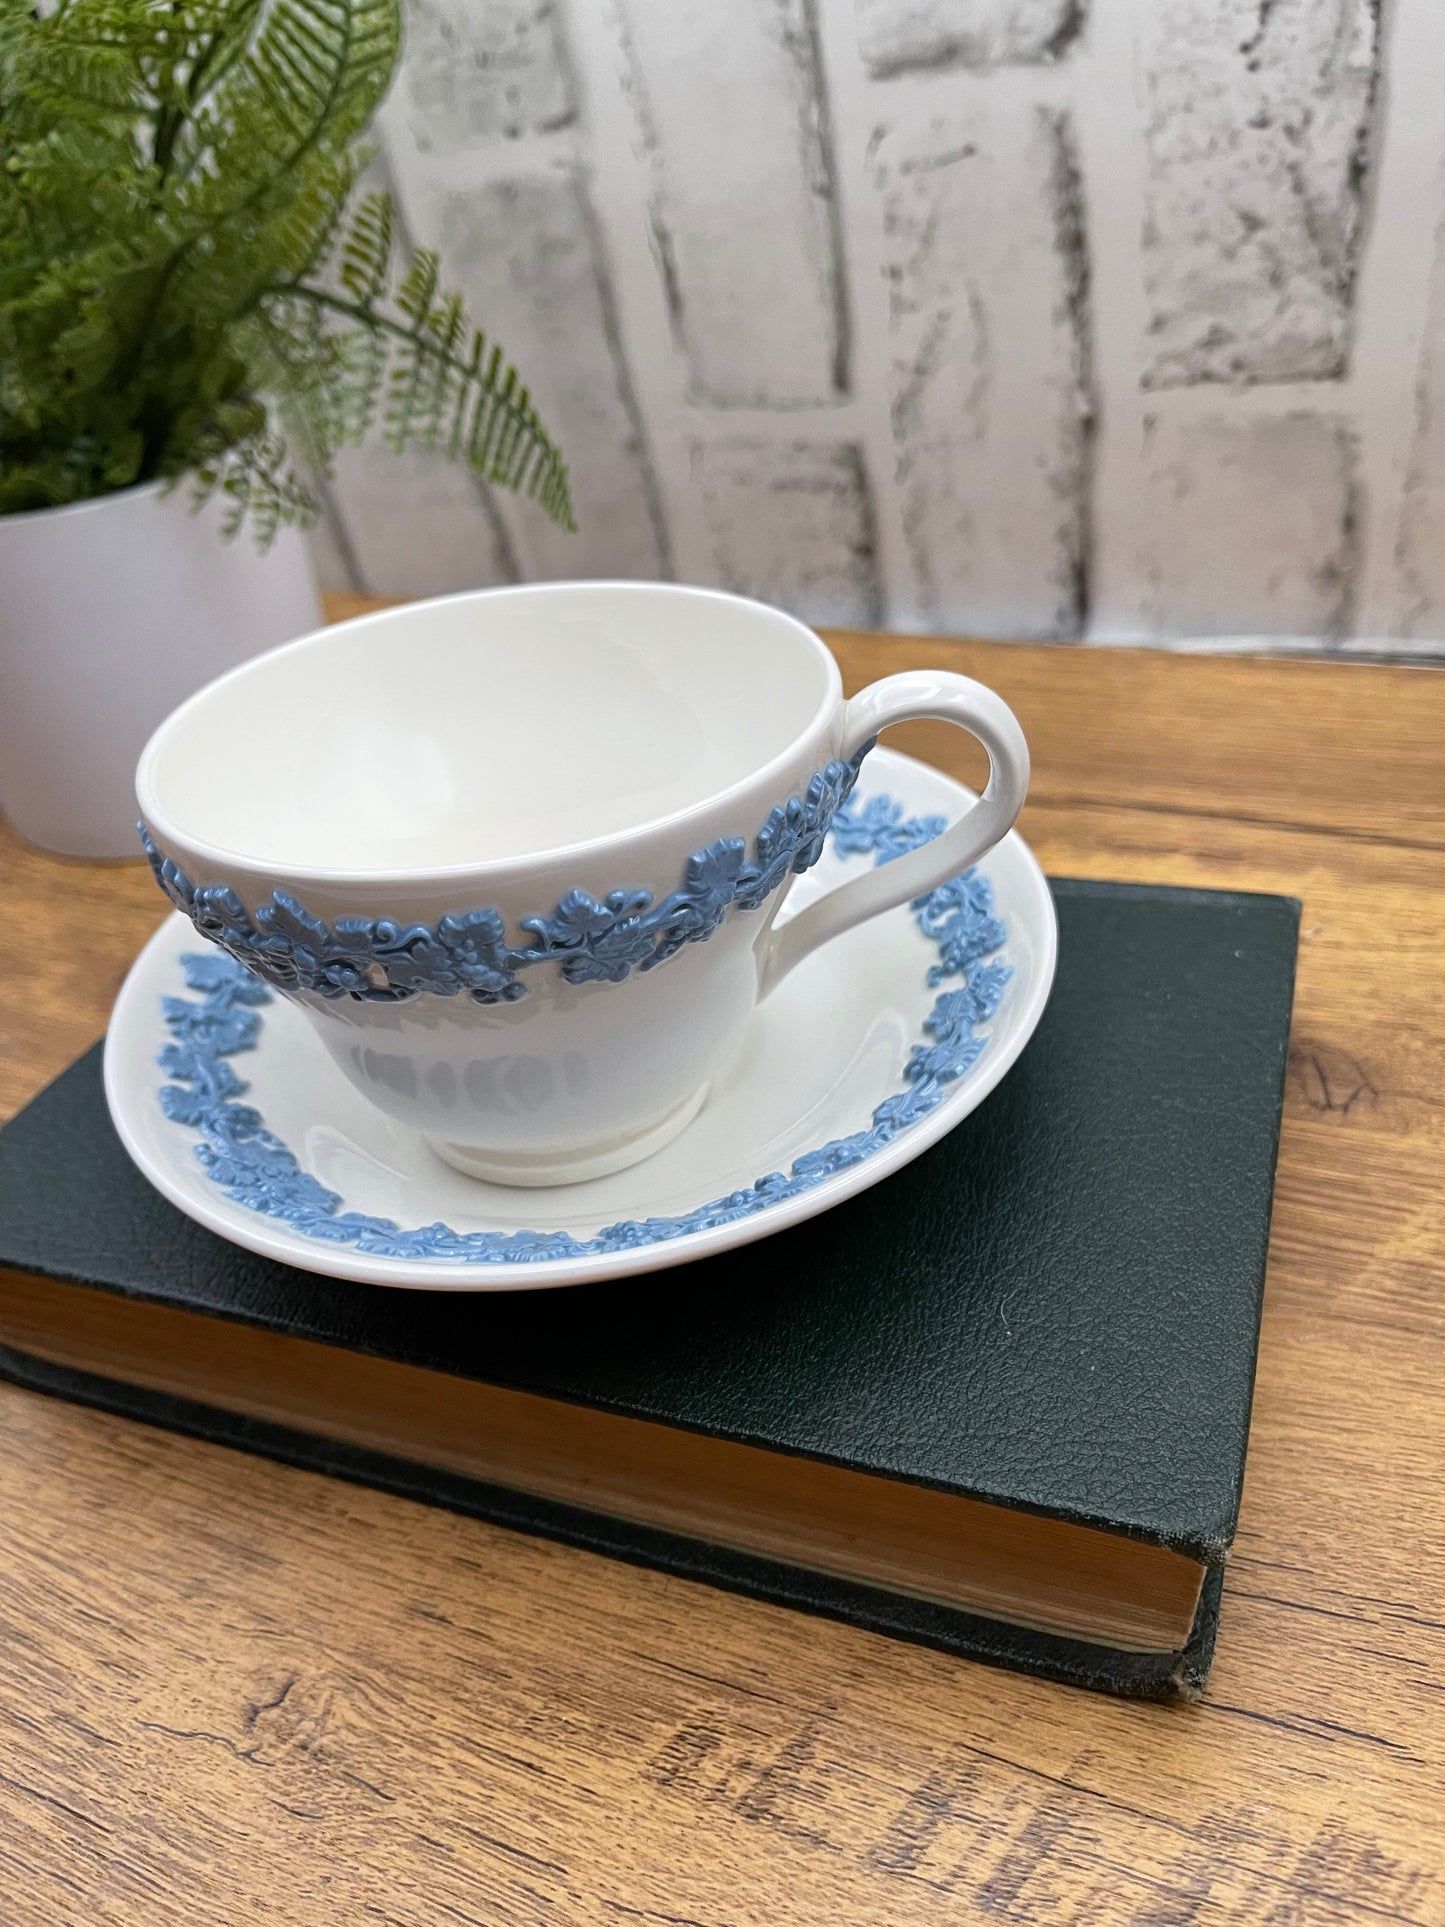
[905,698]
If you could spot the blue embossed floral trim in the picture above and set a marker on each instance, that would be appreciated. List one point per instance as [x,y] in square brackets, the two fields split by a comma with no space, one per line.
[256,1169]
[381,960]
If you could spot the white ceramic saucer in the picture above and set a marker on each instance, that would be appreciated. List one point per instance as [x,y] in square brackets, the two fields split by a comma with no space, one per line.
[872,1049]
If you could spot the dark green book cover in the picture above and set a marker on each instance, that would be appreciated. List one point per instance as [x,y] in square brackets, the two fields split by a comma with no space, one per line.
[1055,1309]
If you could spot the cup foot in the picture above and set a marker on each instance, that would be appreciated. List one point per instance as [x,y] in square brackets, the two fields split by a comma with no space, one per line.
[535,1169]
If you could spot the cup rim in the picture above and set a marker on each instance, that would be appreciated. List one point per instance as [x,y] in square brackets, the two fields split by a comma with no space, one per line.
[164,828]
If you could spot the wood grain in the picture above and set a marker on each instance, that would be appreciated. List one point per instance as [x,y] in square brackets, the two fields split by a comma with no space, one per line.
[237,1693]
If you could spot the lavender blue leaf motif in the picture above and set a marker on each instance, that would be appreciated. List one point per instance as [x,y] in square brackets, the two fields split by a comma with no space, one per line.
[877,827]
[467,954]
[256,1169]
[958,917]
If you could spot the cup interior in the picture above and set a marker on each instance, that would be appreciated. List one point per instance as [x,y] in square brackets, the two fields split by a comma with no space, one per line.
[486,727]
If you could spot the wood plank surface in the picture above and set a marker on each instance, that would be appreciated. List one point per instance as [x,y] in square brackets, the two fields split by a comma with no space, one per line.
[233,1693]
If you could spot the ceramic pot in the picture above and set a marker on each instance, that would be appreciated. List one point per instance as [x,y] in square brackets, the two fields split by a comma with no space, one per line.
[112,611]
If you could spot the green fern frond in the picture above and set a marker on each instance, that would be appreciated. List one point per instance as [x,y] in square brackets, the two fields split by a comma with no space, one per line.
[410,357]
[366,250]
[258,484]
[175,183]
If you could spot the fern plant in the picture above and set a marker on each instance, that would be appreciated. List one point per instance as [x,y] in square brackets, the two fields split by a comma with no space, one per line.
[191,280]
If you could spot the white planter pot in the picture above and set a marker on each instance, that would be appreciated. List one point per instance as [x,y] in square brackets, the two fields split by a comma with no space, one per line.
[111,612]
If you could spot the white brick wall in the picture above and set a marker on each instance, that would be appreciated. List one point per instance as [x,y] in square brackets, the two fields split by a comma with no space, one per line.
[896,36]
[477,70]
[1420,553]
[1254,525]
[792,521]
[729,114]
[988,379]
[1256,121]
[524,249]
[1111,320]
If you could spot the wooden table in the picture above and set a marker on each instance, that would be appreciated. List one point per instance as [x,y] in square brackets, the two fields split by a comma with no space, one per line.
[235,1693]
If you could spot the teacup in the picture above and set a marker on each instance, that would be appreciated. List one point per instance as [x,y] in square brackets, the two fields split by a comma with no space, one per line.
[519,854]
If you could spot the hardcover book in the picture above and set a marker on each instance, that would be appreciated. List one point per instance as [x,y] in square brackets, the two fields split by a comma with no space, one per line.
[998,1404]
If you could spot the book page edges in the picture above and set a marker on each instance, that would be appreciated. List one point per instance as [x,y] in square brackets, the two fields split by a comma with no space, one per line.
[1046,1574]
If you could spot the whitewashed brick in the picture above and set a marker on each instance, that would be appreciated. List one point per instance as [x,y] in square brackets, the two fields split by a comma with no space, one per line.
[792,523]
[336,564]
[731,115]
[991,409]
[414,524]
[525,253]
[1252,525]
[1256,121]
[482,70]
[1420,548]
[896,36]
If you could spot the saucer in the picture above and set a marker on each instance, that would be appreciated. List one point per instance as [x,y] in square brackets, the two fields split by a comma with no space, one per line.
[873,1048]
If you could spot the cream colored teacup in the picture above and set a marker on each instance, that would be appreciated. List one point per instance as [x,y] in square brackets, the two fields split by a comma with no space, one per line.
[519,854]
